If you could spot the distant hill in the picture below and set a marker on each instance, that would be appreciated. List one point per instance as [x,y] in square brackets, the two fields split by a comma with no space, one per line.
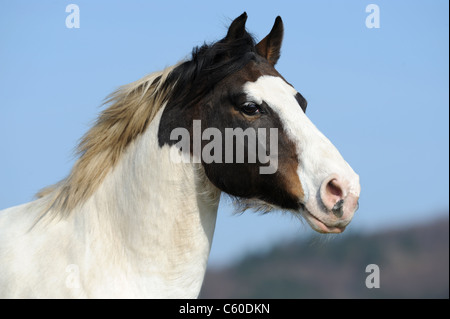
[413,263]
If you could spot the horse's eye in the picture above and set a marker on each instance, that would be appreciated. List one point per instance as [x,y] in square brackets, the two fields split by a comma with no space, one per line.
[250,108]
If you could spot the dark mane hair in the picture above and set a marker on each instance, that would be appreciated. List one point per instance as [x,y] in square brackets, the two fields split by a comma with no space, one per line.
[209,65]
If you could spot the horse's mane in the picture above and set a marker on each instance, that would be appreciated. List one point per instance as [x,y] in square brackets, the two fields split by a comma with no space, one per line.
[133,107]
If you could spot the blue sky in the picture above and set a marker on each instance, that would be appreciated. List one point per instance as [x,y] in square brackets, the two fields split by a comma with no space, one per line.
[380,95]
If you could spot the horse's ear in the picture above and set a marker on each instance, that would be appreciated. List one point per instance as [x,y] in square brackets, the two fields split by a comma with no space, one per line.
[237,27]
[270,46]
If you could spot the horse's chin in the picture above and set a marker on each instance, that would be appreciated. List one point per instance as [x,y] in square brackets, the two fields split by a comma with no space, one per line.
[322,226]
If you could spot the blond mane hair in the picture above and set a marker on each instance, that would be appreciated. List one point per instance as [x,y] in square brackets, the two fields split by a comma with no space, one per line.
[132,108]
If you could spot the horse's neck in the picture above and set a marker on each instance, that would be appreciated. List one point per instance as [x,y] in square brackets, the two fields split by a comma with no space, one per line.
[154,218]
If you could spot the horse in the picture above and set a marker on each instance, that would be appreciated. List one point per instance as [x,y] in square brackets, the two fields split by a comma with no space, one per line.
[135,216]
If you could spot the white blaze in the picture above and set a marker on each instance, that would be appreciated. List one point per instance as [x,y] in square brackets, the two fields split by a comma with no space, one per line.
[317,156]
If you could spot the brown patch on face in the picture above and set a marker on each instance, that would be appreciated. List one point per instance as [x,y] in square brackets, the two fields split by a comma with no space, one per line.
[288,169]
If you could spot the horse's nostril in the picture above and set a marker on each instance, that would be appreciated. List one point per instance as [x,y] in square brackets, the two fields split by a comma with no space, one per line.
[333,192]
[334,188]
[338,208]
